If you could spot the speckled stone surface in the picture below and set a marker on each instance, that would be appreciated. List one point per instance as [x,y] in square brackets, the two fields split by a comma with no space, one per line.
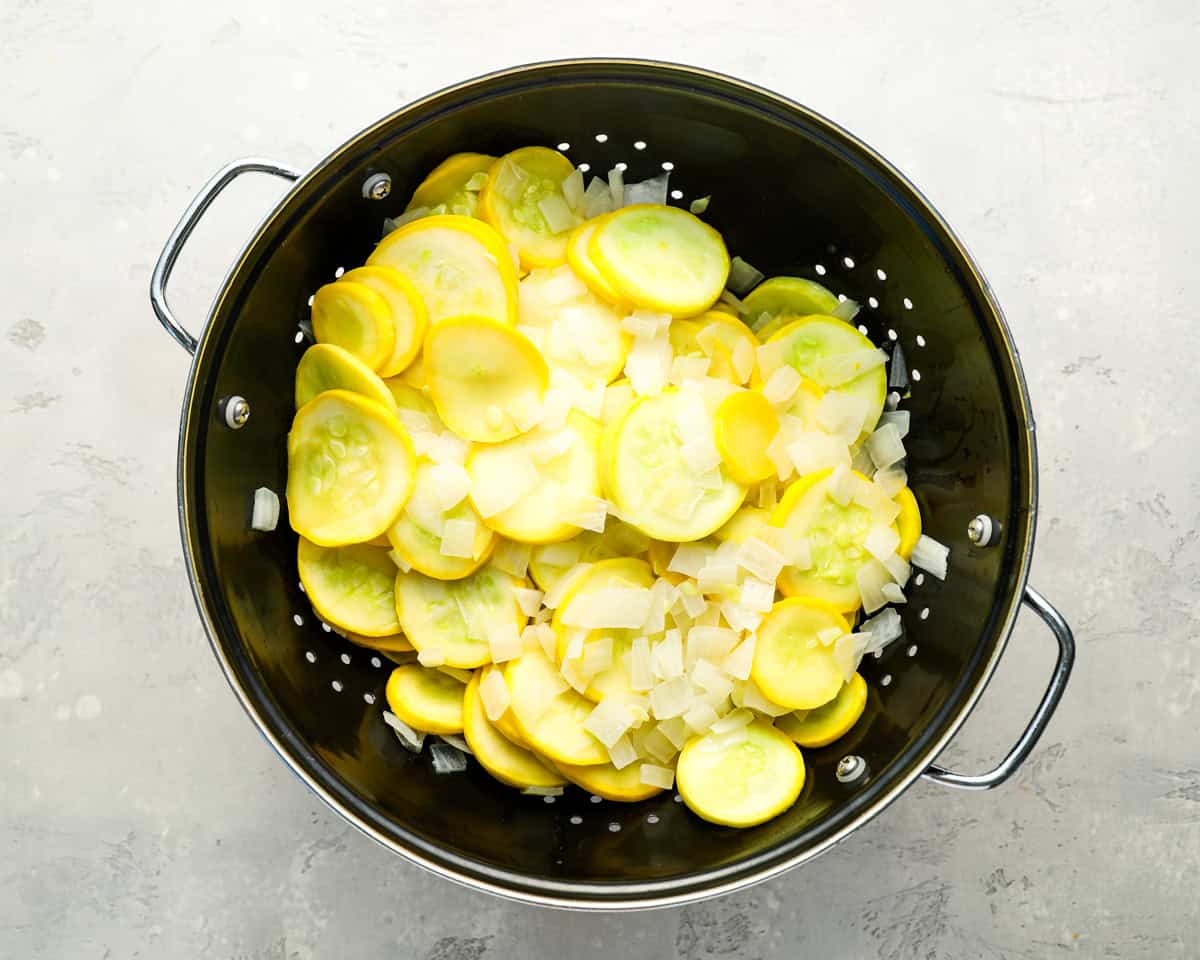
[140,813]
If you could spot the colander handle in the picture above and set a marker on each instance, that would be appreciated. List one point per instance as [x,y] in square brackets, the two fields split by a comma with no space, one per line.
[183,229]
[1041,717]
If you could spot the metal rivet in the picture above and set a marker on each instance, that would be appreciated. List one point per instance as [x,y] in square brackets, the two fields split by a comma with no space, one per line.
[377,186]
[236,412]
[982,531]
[851,768]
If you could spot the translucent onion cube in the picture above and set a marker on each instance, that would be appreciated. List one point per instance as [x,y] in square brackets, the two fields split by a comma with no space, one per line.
[700,717]
[759,558]
[597,655]
[504,641]
[737,664]
[781,385]
[671,698]
[758,595]
[512,557]
[885,446]
[530,601]
[641,672]
[734,720]
[264,514]
[609,721]
[520,477]
[871,577]
[458,538]
[494,695]
[608,608]
[450,484]
[931,556]
[893,594]
[813,451]
[621,754]
[667,656]
[689,559]
[710,643]
[881,542]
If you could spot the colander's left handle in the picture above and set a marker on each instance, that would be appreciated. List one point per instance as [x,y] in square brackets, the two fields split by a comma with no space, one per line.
[1045,709]
[187,223]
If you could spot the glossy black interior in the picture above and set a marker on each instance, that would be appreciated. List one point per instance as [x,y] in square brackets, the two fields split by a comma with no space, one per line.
[789,191]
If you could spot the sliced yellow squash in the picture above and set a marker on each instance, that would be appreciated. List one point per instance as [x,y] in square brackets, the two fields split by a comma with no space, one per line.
[661,258]
[417,533]
[486,379]
[503,759]
[652,482]
[446,185]
[354,317]
[547,563]
[836,536]
[549,714]
[581,262]
[746,523]
[350,587]
[602,575]
[326,366]
[407,397]
[745,424]
[791,664]
[393,643]
[454,617]
[406,309]
[350,468]
[908,523]
[824,725]
[559,487]
[605,780]
[785,297]
[458,265]
[523,199]
[720,337]
[425,699]
[740,778]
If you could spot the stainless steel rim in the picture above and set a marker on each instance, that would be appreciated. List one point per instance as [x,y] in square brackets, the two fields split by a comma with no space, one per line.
[641,896]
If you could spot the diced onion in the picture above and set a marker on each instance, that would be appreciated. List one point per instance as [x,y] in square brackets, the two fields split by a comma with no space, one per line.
[646,323]
[621,754]
[648,364]
[431,657]
[881,542]
[814,451]
[829,635]
[699,205]
[512,557]
[597,199]
[264,515]
[591,513]
[411,739]
[609,720]
[901,419]
[898,568]
[556,592]
[653,190]
[666,659]
[757,595]
[717,576]
[710,677]
[885,446]
[743,277]
[575,640]
[840,485]
[848,653]
[760,559]
[734,720]
[609,608]
[685,368]
[447,759]
[871,577]
[450,484]
[654,744]
[892,593]
[754,699]
[882,629]
[572,188]
[781,385]
[737,664]
[458,538]
[842,414]
[931,556]
[742,360]
[689,559]
[740,617]
[597,656]
[710,643]
[898,370]
[616,186]
[519,477]
[494,695]
[700,717]
[457,742]
[530,601]
[671,698]
[543,791]
[675,730]
[504,642]
[729,297]
[846,310]
[891,481]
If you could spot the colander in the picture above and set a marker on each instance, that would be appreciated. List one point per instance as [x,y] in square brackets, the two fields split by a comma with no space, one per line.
[793,194]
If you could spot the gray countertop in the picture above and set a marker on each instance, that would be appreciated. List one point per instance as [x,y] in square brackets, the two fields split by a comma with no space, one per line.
[142,815]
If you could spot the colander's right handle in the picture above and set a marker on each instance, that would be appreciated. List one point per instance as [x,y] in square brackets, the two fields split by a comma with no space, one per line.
[187,223]
[1054,691]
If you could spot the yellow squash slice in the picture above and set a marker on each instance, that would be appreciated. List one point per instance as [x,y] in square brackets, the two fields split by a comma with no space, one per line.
[745,426]
[740,778]
[354,317]
[486,379]
[560,486]
[605,780]
[417,533]
[547,563]
[503,759]
[661,258]
[824,725]
[792,667]
[720,337]
[550,714]
[654,485]
[350,468]
[458,265]
[393,643]
[425,699]
[908,523]
[836,535]
[447,184]
[326,366]
[523,199]
[454,618]
[581,262]
[350,587]
[406,310]
[788,297]
[602,575]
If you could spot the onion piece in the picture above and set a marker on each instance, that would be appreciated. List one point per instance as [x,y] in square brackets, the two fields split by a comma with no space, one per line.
[871,577]
[597,199]
[608,608]
[846,310]
[597,656]
[898,568]
[848,653]
[572,188]
[641,673]
[781,385]
[512,557]
[457,742]
[710,643]
[412,740]
[555,594]
[504,642]
[881,542]
[671,698]
[520,477]
[609,721]
[447,759]
[431,657]
[743,276]
[700,717]
[689,559]
[621,754]
[841,485]
[675,730]
[757,595]
[754,699]
[403,565]
[494,695]
[666,659]
[882,629]
[902,419]
[653,190]
[759,558]
[885,446]
[892,593]
[699,205]
[891,481]
[738,663]
[542,791]
[898,370]
[813,451]
[458,538]
[530,601]
[616,186]
[734,720]
[264,514]
[931,556]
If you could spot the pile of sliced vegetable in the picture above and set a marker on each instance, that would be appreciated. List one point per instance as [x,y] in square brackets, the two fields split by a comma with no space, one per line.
[614,525]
